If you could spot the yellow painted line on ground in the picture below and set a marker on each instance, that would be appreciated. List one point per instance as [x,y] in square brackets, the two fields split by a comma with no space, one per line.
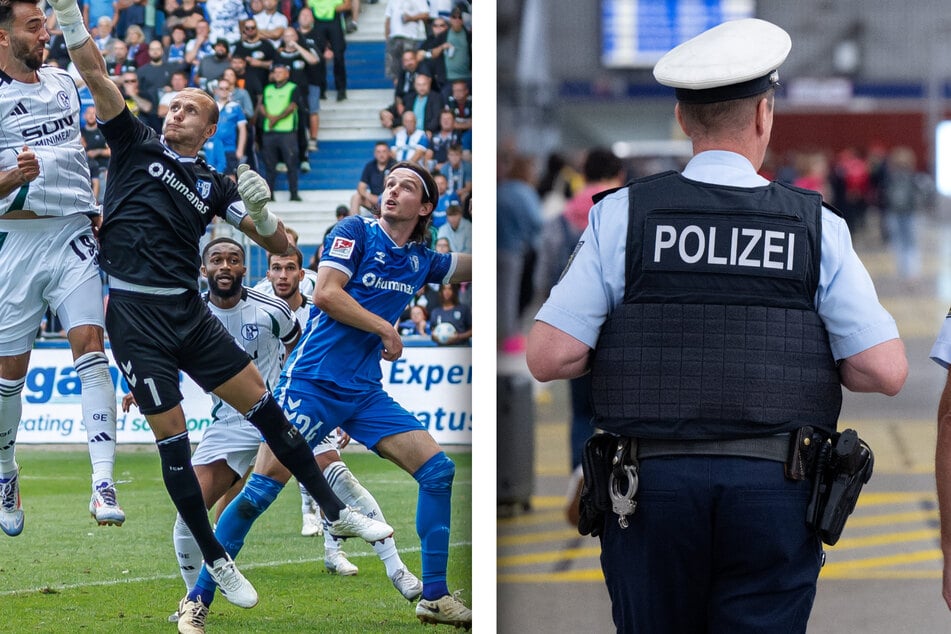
[881,574]
[566,576]
[884,539]
[533,519]
[888,519]
[536,538]
[877,499]
[898,559]
[550,556]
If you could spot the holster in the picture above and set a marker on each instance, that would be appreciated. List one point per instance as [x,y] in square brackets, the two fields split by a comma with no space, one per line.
[595,499]
[844,464]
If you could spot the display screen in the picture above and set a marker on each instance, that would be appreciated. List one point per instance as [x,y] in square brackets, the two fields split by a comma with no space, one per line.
[636,33]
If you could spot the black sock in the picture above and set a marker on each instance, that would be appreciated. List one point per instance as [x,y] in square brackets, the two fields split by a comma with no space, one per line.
[291,449]
[183,488]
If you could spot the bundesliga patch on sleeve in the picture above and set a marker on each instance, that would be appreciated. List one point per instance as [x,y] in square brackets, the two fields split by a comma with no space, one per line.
[341,248]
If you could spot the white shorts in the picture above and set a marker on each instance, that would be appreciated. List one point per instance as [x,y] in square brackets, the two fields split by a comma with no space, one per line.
[47,263]
[236,441]
[329,443]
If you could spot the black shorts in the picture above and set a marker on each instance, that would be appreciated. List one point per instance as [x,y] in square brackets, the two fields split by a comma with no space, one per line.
[154,336]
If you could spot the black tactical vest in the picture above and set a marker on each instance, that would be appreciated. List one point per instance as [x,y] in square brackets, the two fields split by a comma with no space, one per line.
[717,335]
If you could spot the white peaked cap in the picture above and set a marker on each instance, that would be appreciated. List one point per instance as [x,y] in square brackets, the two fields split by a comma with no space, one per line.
[732,60]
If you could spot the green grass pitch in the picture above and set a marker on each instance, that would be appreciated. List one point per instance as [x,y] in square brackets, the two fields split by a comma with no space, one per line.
[66,574]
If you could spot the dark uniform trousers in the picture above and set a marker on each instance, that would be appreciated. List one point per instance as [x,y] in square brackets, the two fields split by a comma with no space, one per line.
[717,544]
[277,147]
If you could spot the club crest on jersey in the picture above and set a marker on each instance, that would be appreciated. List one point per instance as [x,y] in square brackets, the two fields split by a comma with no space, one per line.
[342,248]
[414,263]
[249,331]
[204,187]
[380,257]
[62,99]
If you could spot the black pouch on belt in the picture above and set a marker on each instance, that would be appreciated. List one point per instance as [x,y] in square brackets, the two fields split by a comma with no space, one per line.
[595,494]
[844,466]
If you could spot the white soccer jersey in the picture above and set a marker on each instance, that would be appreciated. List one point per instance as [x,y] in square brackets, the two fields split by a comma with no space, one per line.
[261,325]
[44,117]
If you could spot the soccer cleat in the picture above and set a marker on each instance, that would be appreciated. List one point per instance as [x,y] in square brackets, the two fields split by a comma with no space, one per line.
[191,616]
[353,523]
[407,583]
[337,562]
[234,587]
[11,506]
[103,506]
[311,525]
[447,610]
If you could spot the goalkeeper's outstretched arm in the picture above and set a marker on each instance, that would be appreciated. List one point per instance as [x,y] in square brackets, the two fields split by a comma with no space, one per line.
[88,59]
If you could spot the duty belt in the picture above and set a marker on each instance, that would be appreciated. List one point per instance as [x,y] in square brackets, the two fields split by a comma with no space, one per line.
[775,447]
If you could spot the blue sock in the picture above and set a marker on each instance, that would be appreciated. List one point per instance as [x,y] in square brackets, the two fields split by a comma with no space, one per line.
[432,521]
[235,523]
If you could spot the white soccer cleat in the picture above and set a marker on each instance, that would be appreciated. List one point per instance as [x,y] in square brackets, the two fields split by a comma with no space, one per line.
[11,506]
[407,583]
[353,523]
[234,587]
[337,563]
[311,525]
[446,610]
[191,616]
[103,506]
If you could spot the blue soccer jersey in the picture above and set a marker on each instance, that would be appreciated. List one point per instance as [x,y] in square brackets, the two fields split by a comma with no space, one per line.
[383,279]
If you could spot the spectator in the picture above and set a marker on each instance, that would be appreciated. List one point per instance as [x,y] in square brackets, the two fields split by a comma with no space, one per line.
[178,43]
[327,23]
[446,198]
[198,48]
[418,323]
[178,83]
[352,16]
[298,57]
[256,51]
[156,74]
[97,152]
[249,82]
[103,34]
[138,105]
[138,47]
[409,143]
[445,137]
[459,173]
[403,90]
[94,10]
[129,13]
[426,104]
[240,96]
[457,230]
[451,310]
[232,131]
[271,22]
[404,28]
[187,15]
[459,103]
[225,18]
[371,181]
[432,49]
[315,72]
[278,111]
[117,60]
[458,56]
[211,66]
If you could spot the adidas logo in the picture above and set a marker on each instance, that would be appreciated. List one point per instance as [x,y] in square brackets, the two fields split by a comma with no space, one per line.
[101,437]
[19,110]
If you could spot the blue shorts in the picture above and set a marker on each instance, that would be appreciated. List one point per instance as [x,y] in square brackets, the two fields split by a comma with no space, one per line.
[316,408]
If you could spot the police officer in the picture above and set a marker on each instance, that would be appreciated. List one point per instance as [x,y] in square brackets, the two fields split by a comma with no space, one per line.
[718,313]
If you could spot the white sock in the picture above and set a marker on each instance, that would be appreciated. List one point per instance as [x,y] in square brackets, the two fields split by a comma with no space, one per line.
[308,505]
[11,410]
[99,413]
[187,552]
[354,494]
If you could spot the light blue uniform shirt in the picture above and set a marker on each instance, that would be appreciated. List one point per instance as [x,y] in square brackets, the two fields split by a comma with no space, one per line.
[941,350]
[593,285]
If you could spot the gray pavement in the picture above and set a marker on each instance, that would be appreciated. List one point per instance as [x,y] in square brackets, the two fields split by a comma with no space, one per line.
[883,576]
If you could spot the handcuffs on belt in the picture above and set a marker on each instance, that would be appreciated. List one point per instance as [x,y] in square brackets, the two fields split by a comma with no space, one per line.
[609,464]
